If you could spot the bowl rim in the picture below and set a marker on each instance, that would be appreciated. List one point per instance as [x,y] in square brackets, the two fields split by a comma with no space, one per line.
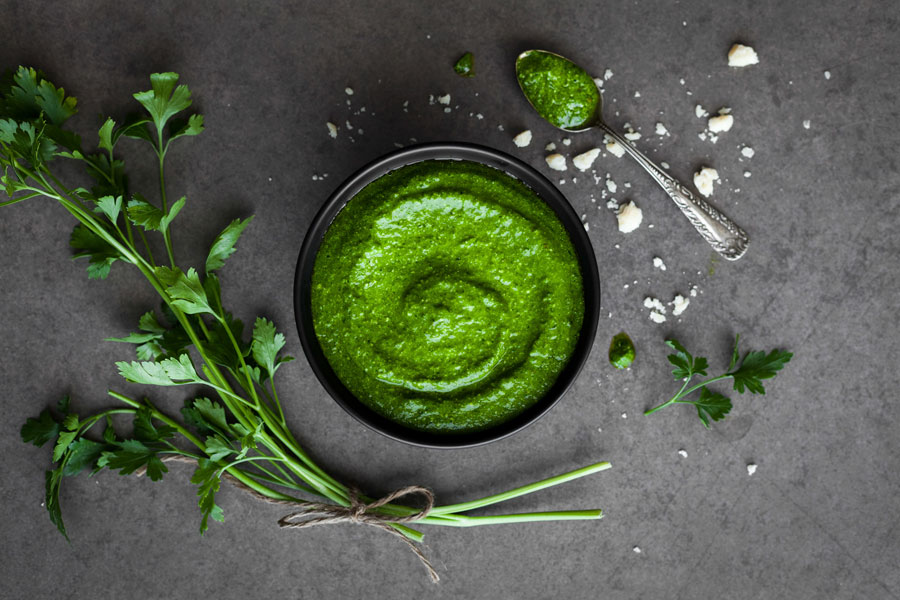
[392,161]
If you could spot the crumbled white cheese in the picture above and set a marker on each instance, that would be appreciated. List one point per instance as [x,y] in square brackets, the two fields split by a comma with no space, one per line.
[683,453]
[612,146]
[747,151]
[664,165]
[348,91]
[607,74]
[584,160]
[742,56]
[694,291]
[657,317]
[332,129]
[630,134]
[806,124]
[661,129]
[700,112]
[654,304]
[747,173]
[637,94]
[827,74]
[550,147]
[448,109]
[658,263]
[567,142]
[445,99]
[611,186]
[720,123]
[679,304]
[624,415]
[751,468]
[523,139]
[611,204]
[636,549]
[557,162]
[629,217]
[479,116]
[598,82]
[703,180]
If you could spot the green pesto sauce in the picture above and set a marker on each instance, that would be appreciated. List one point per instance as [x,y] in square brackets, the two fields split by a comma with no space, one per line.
[447,296]
[558,89]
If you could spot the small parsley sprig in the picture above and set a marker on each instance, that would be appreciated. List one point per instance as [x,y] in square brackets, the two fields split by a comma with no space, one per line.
[241,429]
[748,375]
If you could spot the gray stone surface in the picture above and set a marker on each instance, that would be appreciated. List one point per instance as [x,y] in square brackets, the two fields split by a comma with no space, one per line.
[819,519]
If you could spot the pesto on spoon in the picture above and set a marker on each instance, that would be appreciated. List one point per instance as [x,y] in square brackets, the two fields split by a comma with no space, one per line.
[566,96]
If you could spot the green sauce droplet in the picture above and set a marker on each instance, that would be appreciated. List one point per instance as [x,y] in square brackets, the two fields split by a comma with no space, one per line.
[465,66]
[561,91]
[621,351]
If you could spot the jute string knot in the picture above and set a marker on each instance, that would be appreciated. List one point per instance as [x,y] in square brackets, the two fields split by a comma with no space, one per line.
[310,514]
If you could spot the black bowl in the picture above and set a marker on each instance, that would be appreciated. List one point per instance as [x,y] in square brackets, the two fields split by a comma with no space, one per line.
[391,162]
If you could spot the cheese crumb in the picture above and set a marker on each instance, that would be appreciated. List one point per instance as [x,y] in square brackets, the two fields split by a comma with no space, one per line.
[584,160]
[827,74]
[703,180]
[661,129]
[747,173]
[658,263]
[523,139]
[664,165]
[721,123]
[607,74]
[683,453]
[751,468]
[445,99]
[611,186]
[637,94]
[742,56]
[700,112]
[657,317]
[612,146]
[550,147]
[557,162]
[636,549]
[567,142]
[348,91]
[806,124]
[679,304]
[332,129]
[747,151]
[631,135]
[629,217]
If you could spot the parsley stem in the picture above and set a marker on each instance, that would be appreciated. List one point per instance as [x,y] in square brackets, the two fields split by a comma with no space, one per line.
[167,236]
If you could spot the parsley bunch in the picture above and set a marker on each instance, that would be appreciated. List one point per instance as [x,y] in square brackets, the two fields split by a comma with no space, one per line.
[748,375]
[238,426]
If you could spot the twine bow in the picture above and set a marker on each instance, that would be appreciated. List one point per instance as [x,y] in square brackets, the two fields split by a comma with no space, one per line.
[310,514]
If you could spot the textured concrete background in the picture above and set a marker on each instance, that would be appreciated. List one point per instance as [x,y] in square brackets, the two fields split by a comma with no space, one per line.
[819,519]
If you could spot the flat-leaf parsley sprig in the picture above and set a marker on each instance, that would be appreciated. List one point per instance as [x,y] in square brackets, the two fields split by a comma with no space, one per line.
[748,375]
[238,430]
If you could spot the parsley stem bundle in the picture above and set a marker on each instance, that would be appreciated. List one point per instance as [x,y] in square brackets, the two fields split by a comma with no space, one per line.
[241,430]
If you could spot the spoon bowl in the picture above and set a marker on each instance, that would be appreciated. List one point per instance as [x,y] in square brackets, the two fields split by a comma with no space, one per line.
[567,97]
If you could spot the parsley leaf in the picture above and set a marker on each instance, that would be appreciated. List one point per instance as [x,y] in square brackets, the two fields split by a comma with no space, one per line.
[217,449]
[164,100]
[206,416]
[83,453]
[686,366]
[266,345]
[711,405]
[146,431]
[186,291]
[132,455]
[40,430]
[52,480]
[206,475]
[223,245]
[85,243]
[757,366]
[170,371]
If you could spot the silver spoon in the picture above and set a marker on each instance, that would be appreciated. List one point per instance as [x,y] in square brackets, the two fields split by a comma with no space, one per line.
[719,231]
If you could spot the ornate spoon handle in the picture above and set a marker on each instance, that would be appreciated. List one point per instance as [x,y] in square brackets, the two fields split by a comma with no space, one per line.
[719,231]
